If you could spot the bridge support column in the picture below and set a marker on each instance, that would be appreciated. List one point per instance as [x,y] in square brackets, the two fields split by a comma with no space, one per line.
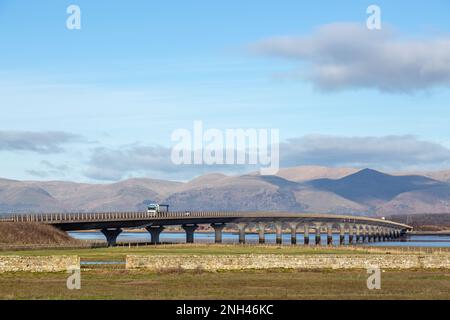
[306,235]
[111,235]
[318,235]
[403,237]
[262,232]
[351,232]
[342,234]
[330,234]
[154,231]
[241,228]
[370,236]
[358,234]
[190,229]
[293,227]
[279,232]
[218,228]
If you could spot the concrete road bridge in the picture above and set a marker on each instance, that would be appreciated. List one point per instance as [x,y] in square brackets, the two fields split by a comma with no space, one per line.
[357,229]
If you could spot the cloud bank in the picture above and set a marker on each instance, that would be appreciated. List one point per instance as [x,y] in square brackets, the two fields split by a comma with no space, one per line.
[387,153]
[150,161]
[348,56]
[40,142]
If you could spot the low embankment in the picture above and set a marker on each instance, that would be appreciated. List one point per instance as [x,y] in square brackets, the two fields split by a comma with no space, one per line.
[250,261]
[20,233]
[38,263]
[27,235]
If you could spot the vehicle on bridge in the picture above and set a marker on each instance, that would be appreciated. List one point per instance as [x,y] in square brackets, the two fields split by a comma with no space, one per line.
[154,209]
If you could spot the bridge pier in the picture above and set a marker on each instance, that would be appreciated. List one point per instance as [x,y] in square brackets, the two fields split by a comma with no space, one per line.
[262,232]
[318,235]
[241,227]
[364,236]
[306,235]
[279,232]
[330,234]
[342,234]
[403,237]
[111,235]
[154,231]
[389,235]
[218,228]
[351,232]
[190,229]
[293,227]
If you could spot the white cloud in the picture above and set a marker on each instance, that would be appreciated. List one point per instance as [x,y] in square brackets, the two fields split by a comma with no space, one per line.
[387,152]
[39,142]
[348,55]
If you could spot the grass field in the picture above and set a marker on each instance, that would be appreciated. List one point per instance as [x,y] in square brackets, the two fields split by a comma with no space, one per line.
[119,253]
[275,284]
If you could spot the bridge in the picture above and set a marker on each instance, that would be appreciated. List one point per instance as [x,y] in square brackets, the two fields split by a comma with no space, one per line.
[356,229]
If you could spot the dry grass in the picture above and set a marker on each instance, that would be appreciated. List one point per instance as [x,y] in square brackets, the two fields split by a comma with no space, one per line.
[119,253]
[267,284]
[17,233]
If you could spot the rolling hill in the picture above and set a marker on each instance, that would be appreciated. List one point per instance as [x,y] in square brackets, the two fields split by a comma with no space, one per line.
[302,189]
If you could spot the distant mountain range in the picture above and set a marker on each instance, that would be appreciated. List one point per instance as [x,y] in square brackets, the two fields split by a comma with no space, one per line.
[301,189]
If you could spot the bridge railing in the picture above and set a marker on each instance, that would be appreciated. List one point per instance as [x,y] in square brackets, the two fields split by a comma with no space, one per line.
[101,216]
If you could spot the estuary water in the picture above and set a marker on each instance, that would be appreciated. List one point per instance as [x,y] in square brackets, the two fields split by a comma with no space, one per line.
[208,237]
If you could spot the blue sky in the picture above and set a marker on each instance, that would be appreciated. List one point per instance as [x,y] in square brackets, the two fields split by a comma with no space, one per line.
[137,70]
